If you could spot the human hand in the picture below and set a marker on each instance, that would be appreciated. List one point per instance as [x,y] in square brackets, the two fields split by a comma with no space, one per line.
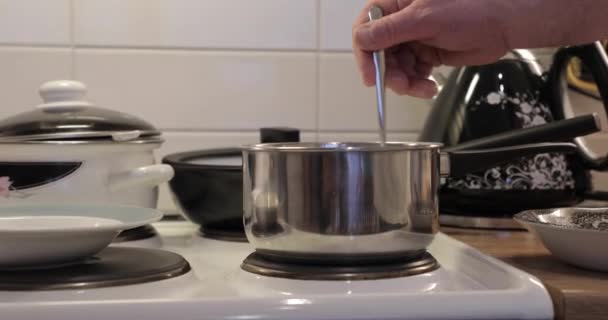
[418,35]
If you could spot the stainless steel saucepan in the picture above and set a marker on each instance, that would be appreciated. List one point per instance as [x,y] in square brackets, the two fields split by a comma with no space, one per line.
[358,201]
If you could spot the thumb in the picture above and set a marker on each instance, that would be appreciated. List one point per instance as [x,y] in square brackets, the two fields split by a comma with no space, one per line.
[399,27]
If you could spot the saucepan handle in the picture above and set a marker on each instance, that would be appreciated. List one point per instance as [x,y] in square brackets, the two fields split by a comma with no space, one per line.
[556,131]
[460,163]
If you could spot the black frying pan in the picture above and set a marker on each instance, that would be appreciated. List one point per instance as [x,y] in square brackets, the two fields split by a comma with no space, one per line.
[208,185]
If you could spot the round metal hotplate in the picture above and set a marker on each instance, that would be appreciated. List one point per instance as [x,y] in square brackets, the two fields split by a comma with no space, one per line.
[111,267]
[261,264]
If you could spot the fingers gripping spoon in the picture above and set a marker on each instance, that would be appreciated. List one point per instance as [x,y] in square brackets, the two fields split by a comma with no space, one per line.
[376,13]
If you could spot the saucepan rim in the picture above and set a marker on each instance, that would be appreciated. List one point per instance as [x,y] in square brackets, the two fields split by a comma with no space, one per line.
[341,146]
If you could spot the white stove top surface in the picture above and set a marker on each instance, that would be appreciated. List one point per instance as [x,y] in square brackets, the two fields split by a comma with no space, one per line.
[468,285]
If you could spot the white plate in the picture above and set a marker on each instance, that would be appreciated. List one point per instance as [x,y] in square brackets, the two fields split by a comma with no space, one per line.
[575,235]
[49,236]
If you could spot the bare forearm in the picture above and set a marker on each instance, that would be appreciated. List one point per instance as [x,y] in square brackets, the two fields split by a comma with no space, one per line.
[551,23]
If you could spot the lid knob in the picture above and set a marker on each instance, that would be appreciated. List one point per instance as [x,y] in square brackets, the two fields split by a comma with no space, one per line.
[63,93]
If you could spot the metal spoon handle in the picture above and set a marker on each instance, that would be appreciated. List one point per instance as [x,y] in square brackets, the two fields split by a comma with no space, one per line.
[376,13]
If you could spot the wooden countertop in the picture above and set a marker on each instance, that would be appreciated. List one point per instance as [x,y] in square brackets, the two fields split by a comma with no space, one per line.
[577,293]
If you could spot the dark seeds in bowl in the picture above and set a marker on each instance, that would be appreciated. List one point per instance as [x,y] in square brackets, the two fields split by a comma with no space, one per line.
[590,220]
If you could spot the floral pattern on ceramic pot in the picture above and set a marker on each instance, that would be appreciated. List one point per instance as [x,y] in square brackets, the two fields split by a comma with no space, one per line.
[541,172]
[7,190]
[5,186]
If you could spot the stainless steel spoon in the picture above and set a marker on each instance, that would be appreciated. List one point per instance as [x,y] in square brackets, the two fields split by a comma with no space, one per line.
[376,13]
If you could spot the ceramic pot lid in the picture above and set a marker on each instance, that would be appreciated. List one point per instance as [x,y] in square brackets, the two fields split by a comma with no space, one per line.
[66,115]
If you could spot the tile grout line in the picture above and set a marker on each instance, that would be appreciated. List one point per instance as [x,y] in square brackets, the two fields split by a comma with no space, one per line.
[318,71]
[196,49]
[72,45]
[72,42]
[48,46]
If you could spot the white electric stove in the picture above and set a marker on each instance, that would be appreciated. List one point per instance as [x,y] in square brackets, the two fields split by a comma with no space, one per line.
[467,285]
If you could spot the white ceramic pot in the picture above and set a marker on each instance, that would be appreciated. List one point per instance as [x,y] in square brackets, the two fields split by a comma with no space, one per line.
[86,173]
[67,151]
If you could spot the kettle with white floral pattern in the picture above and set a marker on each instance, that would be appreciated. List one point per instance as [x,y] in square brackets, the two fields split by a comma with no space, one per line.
[514,93]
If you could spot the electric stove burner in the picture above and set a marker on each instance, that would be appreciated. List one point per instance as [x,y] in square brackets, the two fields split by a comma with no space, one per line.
[111,267]
[224,235]
[139,233]
[269,265]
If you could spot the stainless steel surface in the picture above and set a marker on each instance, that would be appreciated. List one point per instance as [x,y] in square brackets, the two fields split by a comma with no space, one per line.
[332,147]
[497,223]
[359,199]
[444,164]
[339,198]
[376,13]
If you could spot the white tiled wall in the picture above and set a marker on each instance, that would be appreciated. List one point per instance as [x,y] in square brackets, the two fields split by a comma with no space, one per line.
[235,24]
[37,22]
[198,90]
[336,20]
[207,72]
[345,105]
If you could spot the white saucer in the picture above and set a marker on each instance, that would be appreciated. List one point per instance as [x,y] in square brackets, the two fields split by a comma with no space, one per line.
[33,237]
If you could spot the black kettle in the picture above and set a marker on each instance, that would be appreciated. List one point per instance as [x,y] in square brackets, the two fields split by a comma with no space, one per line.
[515,93]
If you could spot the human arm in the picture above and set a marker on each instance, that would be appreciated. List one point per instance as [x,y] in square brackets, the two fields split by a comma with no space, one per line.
[419,35]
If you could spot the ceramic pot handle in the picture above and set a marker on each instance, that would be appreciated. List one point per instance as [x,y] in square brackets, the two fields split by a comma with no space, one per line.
[149,176]
[594,58]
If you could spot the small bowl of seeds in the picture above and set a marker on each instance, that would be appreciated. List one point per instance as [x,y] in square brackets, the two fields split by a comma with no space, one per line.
[577,236]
